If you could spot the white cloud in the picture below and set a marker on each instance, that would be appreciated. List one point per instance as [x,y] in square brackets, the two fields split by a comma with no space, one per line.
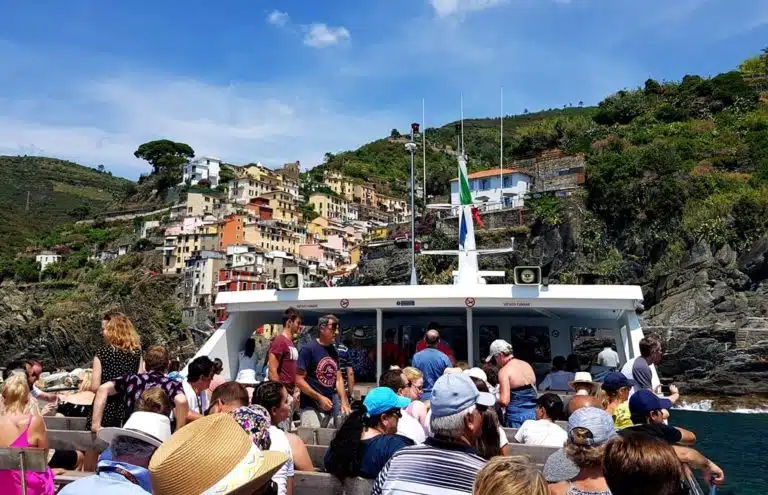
[444,8]
[278,18]
[321,36]
[104,121]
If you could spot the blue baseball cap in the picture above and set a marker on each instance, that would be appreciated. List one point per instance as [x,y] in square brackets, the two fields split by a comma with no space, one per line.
[645,401]
[598,422]
[615,380]
[383,399]
[456,392]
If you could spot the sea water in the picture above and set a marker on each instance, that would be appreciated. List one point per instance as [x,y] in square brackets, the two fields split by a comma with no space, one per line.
[735,441]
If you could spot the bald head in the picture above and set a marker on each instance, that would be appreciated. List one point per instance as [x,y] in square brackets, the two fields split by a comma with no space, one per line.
[432,337]
[579,401]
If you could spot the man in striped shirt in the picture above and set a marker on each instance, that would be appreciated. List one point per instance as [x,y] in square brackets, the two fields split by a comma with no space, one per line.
[446,464]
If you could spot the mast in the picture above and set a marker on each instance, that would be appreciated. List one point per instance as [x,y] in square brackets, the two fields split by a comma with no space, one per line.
[501,151]
[424,158]
[468,267]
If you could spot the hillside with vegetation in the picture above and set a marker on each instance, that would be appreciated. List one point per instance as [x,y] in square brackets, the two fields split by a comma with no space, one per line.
[39,194]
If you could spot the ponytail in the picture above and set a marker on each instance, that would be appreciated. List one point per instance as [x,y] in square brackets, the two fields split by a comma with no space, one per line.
[489,441]
[343,457]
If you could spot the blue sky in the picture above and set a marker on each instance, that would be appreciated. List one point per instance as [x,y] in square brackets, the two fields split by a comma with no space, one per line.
[284,80]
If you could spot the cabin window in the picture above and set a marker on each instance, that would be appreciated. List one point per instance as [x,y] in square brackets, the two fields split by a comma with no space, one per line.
[531,343]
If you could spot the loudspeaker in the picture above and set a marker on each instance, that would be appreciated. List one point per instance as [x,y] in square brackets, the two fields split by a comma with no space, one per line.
[290,281]
[527,275]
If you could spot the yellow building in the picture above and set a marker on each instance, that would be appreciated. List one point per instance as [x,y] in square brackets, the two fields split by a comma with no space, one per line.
[330,206]
[339,184]
[273,235]
[354,255]
[317,227]
[283,206]
[378,233]
[184,247]
[366,194]
[255,171]
[201,204]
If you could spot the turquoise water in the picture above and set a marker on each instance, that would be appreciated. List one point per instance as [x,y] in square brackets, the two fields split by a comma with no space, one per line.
[738,443]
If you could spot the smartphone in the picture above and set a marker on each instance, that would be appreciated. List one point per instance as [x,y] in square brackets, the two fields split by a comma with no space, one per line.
[665,390]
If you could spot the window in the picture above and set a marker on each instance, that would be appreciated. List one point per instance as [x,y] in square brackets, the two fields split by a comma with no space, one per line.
[245,286]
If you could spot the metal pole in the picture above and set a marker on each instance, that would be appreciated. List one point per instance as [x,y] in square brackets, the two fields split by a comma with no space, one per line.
[501,152]
[412,149]
[424,154]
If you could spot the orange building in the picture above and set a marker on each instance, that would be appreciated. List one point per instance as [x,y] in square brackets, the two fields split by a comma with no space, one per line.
[231,231]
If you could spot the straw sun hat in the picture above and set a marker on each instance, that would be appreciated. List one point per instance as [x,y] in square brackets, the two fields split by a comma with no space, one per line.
[212,455]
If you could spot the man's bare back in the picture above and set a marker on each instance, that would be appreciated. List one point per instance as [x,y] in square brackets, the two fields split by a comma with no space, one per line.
[518,373]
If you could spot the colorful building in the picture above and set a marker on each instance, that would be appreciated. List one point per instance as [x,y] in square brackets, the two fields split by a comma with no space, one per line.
[231,231]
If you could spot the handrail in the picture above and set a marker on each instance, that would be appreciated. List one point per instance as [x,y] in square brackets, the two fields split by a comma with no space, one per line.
[690,479]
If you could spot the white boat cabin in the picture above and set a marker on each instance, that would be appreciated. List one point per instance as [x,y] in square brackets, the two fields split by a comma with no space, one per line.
[541,322]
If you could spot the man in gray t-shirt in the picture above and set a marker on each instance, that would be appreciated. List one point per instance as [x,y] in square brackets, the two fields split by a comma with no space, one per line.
[650,353]
[642,374]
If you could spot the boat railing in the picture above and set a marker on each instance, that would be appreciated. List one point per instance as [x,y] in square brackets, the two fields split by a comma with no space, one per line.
[693,485]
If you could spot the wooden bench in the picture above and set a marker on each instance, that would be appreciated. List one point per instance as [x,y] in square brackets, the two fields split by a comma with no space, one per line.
[27,459]
[538,454]
[305,483]
[74,440]
[323,436]
[63,423]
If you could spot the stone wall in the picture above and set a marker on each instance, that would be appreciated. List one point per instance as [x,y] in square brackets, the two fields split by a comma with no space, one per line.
[502,219]
[554,170]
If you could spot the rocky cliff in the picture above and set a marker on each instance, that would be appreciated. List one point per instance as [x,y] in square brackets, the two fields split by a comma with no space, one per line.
[711,311]
[59,321]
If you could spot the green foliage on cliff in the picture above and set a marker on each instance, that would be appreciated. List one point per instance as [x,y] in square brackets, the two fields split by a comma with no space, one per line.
[669,164]
[59,191]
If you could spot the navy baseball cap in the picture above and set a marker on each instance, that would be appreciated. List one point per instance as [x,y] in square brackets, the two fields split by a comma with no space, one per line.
[456,392]
[644,401]
[615,380]
[383,399]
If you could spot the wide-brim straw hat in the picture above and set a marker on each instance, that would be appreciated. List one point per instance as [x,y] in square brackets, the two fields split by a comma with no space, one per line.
[212,455]
[582,378]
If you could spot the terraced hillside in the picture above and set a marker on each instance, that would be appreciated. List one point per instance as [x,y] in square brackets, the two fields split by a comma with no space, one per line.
[37,194]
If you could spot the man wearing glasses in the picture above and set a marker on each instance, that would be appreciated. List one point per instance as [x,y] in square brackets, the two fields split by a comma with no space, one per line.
[319,378]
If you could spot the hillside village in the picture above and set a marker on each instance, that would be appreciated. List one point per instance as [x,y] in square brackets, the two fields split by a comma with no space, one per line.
[239,228]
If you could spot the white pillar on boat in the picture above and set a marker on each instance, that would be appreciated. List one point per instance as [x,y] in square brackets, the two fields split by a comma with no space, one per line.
[470,340]
[379,340]
[635,334]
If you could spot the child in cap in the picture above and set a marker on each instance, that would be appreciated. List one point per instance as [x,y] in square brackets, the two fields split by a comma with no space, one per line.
[617,387]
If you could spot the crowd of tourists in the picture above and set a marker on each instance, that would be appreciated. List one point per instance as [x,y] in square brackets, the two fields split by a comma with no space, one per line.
[434,427]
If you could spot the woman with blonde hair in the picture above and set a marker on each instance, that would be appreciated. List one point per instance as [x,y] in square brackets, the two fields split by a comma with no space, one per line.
[417,408]
[510,476]
[19,429]
[589,430]
[119,356]
[80,403]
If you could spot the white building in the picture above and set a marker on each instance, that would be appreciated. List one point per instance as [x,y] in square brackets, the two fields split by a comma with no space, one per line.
[244,190]
[46,258]
[486,187]
[203,168]
[245,258]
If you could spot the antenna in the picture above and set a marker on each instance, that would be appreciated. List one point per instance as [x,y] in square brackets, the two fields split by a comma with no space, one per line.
[501,151]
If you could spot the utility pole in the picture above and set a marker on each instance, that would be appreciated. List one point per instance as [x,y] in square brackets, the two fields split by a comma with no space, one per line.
[411,148]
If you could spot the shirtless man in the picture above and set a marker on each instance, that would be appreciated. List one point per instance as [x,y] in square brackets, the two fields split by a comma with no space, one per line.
[517,384]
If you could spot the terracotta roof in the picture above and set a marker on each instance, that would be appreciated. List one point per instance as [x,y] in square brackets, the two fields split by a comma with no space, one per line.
[490,173]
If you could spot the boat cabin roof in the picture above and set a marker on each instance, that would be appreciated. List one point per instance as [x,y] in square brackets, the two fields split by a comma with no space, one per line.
[414,297]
